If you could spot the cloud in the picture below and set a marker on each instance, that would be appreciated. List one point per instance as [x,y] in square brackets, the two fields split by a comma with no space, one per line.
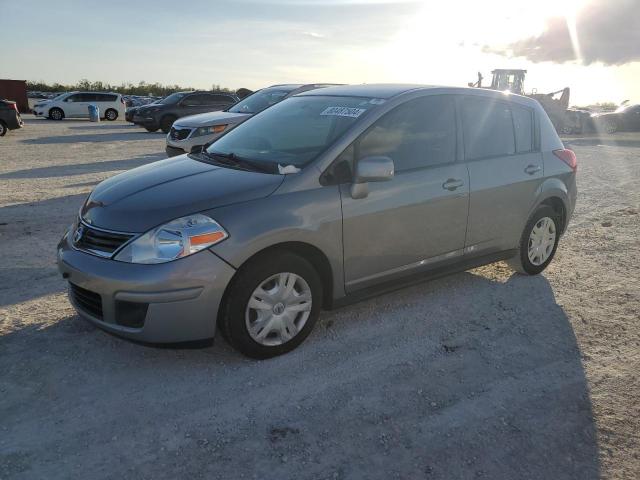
[313,34]
[607,31]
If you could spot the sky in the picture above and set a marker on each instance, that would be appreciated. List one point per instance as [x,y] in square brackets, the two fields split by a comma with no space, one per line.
[591,46]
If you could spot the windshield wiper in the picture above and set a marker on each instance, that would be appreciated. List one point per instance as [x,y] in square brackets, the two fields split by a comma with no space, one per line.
[234,160]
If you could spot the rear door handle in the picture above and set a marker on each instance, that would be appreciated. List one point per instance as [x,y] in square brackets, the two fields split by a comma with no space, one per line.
[531,169]
[452,183]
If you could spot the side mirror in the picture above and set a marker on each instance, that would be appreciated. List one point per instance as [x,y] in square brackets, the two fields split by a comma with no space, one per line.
[370,169]
[198,149]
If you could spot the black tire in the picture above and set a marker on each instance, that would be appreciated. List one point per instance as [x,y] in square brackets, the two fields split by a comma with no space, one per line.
[111,114]
[3,129]
[521,263]
[231,319]
[149,129]
[56,114]
[166,122]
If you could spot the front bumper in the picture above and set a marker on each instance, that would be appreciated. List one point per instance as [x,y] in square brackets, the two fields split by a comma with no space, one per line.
[178,300]
[144,121]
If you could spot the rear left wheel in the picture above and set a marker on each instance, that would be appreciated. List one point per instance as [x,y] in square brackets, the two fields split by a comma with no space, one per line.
[538,243]
[272,305]
[3,129]
[111,114]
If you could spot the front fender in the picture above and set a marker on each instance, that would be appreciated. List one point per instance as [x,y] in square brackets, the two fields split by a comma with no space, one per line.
[312,217]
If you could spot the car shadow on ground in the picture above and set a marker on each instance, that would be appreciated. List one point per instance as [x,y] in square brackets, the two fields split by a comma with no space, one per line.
[91,138]
[469,376]
[85,168]
[108,126]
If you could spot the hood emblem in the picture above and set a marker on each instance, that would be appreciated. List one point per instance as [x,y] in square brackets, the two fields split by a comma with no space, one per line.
[77,235]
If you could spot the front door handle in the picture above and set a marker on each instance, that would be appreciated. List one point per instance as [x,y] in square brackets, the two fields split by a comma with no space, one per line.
[452,183]
[531,169]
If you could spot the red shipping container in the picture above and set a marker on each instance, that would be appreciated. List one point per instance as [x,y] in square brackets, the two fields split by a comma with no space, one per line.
[15,90]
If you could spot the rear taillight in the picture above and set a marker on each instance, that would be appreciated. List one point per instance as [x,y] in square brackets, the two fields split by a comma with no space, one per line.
[568,157]
[14,106]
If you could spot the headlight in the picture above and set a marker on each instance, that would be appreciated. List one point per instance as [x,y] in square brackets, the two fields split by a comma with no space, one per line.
[198,132]
[176,239]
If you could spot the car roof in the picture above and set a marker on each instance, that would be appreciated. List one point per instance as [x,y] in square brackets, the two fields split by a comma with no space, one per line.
[380,90]
[389,90]
[284,86]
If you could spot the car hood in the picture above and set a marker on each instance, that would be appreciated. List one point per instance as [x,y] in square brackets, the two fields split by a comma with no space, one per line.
[212,118]
[148,196]
[144,108]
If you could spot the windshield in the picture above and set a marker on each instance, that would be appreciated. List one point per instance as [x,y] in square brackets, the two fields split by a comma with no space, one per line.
[259,101]
[173,98]
[295,131]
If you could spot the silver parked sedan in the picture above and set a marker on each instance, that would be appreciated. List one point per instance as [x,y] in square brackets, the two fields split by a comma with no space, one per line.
[326,197]
[195,131]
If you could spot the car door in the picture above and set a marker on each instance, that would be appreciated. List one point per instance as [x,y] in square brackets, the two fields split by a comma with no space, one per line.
[417,219]
[76,105]
[505,169]
[103,101]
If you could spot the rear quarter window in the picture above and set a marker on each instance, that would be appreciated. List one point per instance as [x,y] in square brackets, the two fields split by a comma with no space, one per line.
[104,97]
[523,125]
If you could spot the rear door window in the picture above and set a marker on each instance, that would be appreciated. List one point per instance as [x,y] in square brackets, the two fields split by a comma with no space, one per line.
[419,133]
[487,127]
[213,99]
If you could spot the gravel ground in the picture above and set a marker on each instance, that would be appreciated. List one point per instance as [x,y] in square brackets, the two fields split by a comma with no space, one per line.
[482,374]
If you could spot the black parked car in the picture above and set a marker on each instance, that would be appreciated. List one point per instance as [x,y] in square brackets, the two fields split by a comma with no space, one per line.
[625,119]
[9,117]
[131,111]
[180,104]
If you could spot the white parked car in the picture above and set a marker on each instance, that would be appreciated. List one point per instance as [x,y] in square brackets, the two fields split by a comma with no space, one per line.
[76,105]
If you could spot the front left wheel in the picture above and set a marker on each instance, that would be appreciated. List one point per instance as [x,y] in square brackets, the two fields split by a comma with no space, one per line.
[56,114]
[272,305]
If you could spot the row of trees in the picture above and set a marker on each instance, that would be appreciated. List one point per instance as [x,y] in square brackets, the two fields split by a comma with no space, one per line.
[142,88]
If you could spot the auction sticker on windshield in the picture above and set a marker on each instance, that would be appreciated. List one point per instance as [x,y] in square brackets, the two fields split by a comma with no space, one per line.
[343,111]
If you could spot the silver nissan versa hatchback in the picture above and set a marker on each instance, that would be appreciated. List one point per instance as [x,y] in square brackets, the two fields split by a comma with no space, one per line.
[327,197]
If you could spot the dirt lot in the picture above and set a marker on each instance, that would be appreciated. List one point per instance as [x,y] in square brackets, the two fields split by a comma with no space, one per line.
[479,375]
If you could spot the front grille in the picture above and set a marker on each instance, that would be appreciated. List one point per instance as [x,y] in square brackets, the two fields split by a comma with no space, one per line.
[179,133]
[97,241]
[86,300]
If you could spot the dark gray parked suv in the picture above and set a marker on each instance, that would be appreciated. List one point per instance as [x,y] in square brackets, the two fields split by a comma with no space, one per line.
[162,114]
[10,118]
[323,198]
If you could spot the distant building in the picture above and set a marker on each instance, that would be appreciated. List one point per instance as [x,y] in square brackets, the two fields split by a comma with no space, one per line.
[15,90]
